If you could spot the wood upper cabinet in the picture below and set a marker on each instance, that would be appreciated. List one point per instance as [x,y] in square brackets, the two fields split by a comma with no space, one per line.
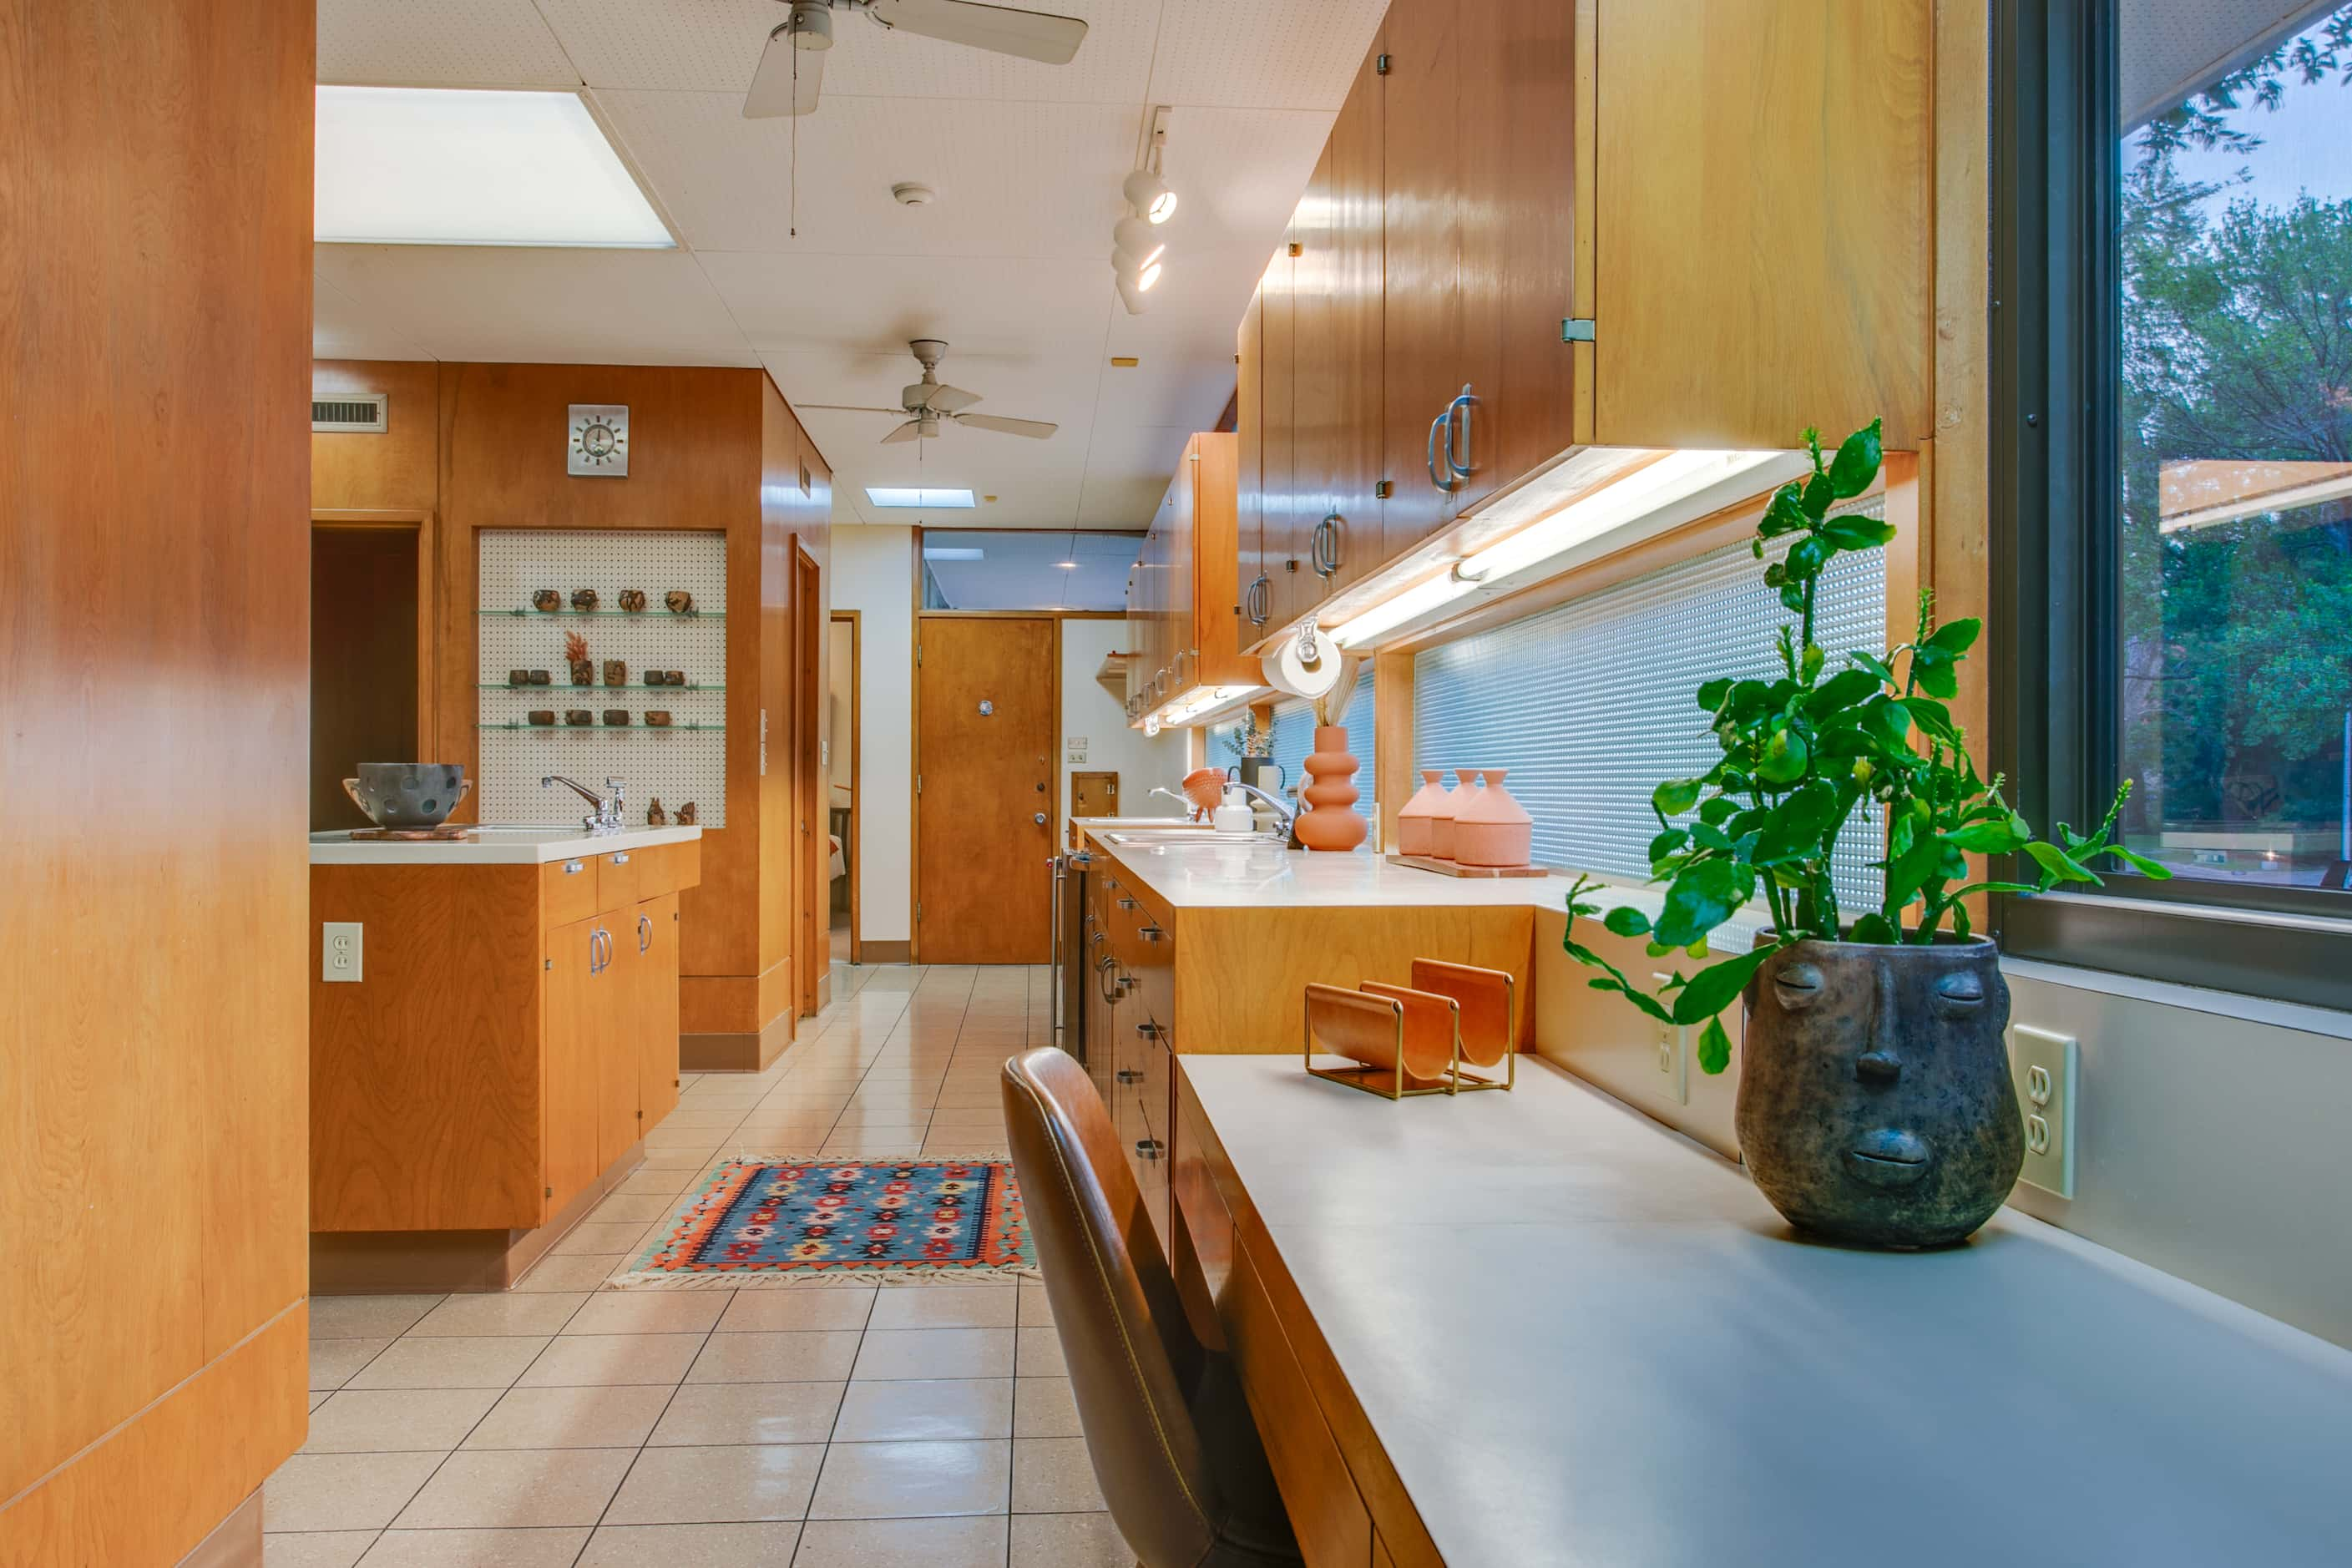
[1249,400]
[1292,587]
[1184,597]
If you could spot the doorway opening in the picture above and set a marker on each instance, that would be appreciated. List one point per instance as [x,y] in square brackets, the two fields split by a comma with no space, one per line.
[365,634]
[843,716]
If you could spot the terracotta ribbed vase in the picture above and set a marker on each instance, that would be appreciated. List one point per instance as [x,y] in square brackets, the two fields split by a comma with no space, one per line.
[1417,821]
[1491,828]
[1330,791]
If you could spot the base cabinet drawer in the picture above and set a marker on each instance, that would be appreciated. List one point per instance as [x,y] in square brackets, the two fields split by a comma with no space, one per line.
[1333,1525]
[567,890]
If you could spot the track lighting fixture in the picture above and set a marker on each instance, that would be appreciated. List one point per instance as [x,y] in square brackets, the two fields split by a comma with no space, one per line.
[1147,194]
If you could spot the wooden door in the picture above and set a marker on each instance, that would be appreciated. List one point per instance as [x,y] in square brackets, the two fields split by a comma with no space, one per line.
[1094,795]
[653,936]
[1249,414]
[811,852]
[1516,136]
[1357,272]
[1423,363]
[570,1088]
[988,713]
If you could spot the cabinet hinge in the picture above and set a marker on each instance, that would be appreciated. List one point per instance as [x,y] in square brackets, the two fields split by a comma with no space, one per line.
[550,1192]
[918,908]
[918,656]
[1576,330]
[1381,488]
[1381,66]
[918,784]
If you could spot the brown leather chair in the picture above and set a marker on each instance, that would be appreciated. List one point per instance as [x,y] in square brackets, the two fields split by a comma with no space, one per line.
[1172,1440]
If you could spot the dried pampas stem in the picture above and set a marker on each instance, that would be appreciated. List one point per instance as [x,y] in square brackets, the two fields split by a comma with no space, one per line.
[1331,708]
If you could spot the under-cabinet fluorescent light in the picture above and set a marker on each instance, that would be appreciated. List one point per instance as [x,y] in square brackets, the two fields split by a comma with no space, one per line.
[1672,481]
[889,495]
[409,165]
[1198,705]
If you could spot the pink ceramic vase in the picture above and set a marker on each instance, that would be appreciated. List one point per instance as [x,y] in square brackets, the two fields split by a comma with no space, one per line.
[1441,840]
[1491,828]
[1417,820]
[1330,791]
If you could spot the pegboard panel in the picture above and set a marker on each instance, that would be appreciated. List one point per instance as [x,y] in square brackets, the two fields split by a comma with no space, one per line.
[685,762]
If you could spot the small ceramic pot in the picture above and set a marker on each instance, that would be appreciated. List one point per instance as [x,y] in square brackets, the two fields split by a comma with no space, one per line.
[654,678]
[407,795]
[1490,829]
[547,601]
[616,672]
[675,677]
[1417,820]
[680,603]
[577,717]
[633,599]
[657,717]
[583,674]
[585,599]
[617,718]
[1330,792]
[542,716]
[517,678]
[538,678]
[1876,1101]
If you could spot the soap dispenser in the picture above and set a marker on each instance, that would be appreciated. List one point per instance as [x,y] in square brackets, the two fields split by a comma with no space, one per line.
[1234,816]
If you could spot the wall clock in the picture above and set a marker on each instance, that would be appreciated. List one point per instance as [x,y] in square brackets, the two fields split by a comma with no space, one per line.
[599,444]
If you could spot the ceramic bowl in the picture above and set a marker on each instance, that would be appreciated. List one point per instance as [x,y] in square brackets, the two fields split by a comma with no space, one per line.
[408,794]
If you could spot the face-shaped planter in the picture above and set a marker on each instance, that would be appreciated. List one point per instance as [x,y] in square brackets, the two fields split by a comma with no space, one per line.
[1875,1102]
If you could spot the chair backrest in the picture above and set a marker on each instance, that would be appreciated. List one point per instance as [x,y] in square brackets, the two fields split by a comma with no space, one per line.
[1133,1359]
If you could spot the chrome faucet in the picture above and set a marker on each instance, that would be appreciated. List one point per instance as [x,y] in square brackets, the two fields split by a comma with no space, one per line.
[606,818]
[1284,812]
[1191,810]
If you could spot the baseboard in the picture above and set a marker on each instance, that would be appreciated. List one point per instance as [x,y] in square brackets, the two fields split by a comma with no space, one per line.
[872,952]
[234,1543]
[392,1262]
[736,1050]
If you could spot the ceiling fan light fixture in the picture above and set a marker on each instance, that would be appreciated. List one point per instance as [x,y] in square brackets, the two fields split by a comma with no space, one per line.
[1147,194]
[811,25]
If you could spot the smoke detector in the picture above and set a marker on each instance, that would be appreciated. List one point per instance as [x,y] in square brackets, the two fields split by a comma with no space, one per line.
[909,195]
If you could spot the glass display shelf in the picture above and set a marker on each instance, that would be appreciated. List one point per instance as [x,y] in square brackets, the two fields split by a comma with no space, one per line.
[609,728]
[526,613]
[639,690]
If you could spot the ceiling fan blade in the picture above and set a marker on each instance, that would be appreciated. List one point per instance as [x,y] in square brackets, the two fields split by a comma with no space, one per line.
[1036,430]
[953,399]
[787,81]
[1031,35]
[911,430]
[853,408]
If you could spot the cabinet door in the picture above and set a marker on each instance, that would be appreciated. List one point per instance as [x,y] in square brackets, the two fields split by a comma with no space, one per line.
[1515,133]
[1355,268]
[614,999]
[1249,412]
[655,932]
[1425,360]
[1177,534]
[570,1045]
[1316,385]
[1293,587]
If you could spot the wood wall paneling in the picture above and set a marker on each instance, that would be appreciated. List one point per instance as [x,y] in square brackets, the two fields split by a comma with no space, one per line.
[1701,340]
[154,633]
[399,470]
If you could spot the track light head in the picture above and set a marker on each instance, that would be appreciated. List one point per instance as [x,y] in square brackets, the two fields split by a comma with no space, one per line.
[1130,294]
[1147,194]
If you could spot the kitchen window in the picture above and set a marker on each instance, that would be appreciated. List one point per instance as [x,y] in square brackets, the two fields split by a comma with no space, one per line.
[1294,738]
[1590,704]
[2172,476]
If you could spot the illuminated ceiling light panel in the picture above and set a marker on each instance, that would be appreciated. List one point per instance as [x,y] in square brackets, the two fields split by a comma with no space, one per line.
[892,495]
[404,165]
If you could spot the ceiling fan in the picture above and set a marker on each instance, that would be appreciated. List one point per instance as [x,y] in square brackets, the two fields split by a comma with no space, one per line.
[793,66]
[927,406]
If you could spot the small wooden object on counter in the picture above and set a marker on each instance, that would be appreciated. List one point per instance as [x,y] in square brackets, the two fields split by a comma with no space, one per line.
[542,716]
[657,717]
[617,718]
[616,672]
[633,599]
[547,601]
[575,716]
[679,601]
[1456,869]
[585,599]
[687,815]
[655,815]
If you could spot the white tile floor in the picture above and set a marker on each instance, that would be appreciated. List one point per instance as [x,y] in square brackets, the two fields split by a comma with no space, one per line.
[565,1425]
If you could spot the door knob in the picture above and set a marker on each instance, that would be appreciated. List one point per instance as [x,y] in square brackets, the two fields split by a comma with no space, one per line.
[1038,817]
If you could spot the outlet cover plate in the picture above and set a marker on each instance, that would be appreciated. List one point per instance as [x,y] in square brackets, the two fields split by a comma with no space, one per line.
[1671,1044]
[339,952]
[2047,1067]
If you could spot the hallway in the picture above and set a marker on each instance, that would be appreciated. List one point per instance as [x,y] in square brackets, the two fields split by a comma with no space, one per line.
[562,1424]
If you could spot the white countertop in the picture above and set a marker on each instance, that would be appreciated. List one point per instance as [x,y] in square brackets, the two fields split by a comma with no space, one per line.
[1582,1339]
[492,846]
[1194,869]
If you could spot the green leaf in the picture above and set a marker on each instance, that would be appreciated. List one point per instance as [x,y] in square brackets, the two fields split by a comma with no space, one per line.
[1844,690]
[1855,532]
[1795,827]
[1856,463]
[2155,870]
[1936,676]
[1810,667]
[1716,986]
[1712,694]
[1876,929]
[1821,491]
[1676,796]
[1666,843]
[1872,663]
[1702,896]
[1793,597]
[2059,865]
[1784,758]
[1808,557]
[1717,809]
[1708,835]
[1626,921]
[1956,637]
[1619,985]
[1714,1047]
[1933,718]
[1786,512]
[1994,837]
[1890,721]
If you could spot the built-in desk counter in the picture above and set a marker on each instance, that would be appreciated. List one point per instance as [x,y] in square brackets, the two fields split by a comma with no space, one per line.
[1538,1328]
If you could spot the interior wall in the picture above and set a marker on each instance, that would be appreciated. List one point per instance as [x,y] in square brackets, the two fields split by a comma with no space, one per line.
[1090,712]
[874,567]
[156,187]
[363,660]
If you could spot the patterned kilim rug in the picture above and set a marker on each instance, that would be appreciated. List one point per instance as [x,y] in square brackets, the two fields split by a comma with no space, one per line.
[814,1222]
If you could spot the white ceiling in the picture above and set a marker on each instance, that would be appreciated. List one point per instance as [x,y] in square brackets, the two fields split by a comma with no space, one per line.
[1011,264]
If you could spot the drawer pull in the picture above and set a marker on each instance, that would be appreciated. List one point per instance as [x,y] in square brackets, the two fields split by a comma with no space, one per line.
[573,868]
[1127,903]
[1151,933]
[1150,1147]
[621,858]
[1128,1075]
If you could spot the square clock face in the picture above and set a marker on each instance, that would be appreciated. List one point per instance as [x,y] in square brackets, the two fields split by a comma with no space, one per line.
[597,444]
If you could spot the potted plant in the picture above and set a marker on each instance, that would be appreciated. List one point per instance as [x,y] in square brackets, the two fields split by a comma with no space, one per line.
[1874,1104]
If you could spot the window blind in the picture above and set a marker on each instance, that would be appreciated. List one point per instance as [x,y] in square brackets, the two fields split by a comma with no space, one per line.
[1591,705]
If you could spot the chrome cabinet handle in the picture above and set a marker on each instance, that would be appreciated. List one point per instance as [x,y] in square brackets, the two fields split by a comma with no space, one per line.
[1429,455]
[645,933]
[1127,903]
[1323,550]
[1128,1075]
[1260,600]
[573,868]
[1460,467]
[1151,933]
[621,858]
[1150,1147]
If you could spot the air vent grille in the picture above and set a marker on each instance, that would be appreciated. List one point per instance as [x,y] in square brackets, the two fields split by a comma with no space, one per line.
[352,415]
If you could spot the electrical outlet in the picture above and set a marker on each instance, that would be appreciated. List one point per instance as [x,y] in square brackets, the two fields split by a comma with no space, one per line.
[2045,1065]
[1670,1044]
[341,951]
